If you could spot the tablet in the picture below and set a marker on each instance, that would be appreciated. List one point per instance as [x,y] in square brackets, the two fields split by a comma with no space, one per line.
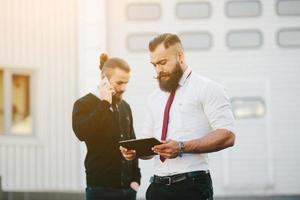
[142,146]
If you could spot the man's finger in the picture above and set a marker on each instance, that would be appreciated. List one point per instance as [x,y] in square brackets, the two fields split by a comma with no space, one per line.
[122,148]
[159,151]
[160,147]
[165,155]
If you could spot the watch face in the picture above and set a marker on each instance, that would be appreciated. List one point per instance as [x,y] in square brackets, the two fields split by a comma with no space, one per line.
[181,148]
[181,145]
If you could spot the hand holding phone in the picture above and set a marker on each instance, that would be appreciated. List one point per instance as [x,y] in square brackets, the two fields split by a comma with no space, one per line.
[106,90]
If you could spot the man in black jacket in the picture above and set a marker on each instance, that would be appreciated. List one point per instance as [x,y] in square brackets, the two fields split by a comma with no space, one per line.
[101,120]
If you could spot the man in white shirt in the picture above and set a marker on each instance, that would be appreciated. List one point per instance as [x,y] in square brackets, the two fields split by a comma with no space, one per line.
[192,116]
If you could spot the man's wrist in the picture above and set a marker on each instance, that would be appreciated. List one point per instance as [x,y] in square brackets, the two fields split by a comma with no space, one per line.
[181,148]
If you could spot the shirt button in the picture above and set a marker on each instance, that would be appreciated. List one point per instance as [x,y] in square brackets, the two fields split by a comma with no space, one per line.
[121,135]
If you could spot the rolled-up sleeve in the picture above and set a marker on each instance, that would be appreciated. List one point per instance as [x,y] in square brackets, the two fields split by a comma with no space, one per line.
[217,107]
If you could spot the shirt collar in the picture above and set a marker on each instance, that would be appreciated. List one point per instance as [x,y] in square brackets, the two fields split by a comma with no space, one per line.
[184,76]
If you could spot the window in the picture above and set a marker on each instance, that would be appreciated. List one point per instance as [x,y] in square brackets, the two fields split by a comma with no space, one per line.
[243,9]
[288,7]
[15,103]
[138,42]
[244,39]
[193,10]
[143,12]
[248,107]
[289,38]
[21,115]
[196,40]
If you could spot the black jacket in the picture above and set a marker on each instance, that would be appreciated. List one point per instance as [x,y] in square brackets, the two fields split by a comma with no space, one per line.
[95,124]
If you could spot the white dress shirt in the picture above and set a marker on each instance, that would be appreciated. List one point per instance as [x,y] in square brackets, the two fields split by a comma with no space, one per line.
[200,106]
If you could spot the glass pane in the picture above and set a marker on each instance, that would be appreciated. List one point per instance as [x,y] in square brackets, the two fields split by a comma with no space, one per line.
[288,7]
[196,40]
[289,38]
[244,39]
[248,107]
[1,103]
[193,10]
[21,115]
[243,9]
[139,41]
[149,11]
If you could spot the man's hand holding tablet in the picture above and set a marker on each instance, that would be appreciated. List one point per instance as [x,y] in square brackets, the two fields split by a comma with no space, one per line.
[141,148]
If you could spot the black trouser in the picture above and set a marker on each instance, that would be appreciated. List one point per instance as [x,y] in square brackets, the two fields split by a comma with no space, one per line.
[194,188]
[106,193]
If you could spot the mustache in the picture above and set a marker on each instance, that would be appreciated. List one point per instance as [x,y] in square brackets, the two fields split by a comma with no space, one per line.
[161,75]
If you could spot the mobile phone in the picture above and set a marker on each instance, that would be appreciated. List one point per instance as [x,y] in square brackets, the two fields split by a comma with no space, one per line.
[106,81]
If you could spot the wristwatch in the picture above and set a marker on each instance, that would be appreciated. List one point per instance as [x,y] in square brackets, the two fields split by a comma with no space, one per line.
[181,148]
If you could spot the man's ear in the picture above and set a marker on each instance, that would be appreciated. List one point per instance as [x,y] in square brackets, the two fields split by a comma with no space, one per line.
[180,57]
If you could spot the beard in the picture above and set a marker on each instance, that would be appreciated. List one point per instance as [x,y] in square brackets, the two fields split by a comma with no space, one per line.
[172,83]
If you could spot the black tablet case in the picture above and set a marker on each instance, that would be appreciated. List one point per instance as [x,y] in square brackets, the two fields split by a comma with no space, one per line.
[142,146]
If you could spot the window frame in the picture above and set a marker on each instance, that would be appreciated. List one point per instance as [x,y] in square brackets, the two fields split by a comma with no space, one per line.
[143,19]
[259,99]
[245,16]
[277,10]
[8,73]
[208,3]
[133,34]
[234,31]
[282,30]
[211,40]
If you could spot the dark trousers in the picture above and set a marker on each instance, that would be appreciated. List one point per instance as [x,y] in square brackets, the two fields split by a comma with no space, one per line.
[106,193]
[195,188]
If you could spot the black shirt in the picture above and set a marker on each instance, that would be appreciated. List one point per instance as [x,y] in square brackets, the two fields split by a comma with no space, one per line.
[95,123]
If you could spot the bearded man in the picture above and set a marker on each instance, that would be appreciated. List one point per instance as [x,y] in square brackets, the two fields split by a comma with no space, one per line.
[101,119]
[192,117]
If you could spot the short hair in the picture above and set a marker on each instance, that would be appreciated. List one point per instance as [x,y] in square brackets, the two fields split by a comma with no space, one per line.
[168,39]
[112,63]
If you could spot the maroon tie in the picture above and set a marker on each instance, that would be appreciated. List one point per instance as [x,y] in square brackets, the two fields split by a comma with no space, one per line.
[166,119]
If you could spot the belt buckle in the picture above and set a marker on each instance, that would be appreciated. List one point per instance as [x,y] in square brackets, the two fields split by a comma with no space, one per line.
[169,180]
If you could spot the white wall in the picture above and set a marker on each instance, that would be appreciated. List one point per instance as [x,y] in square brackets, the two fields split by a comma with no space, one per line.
[265,159]
[42,36]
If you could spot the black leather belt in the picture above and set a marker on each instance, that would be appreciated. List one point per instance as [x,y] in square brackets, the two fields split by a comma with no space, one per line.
[169,180]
